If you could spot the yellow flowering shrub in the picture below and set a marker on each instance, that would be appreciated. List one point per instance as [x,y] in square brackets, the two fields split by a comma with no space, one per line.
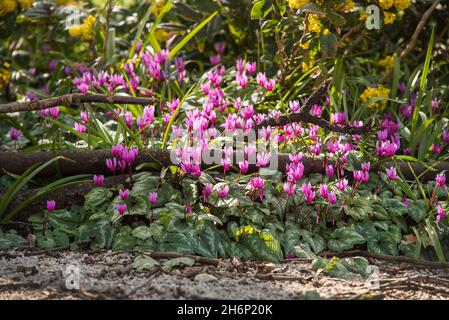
[402,4]
[5,76]
[25,4]
[348,5]
[7,6]
[84,31]
[387,62]
[313,23]
[389,17]
[296,4]
[371,93]
[386,4]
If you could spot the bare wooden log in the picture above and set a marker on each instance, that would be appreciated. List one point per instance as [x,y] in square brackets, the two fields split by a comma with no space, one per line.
[94,162]
[74,98]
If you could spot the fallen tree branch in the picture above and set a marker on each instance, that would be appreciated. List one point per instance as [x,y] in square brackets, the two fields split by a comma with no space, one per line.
[94,162]
[387,258]
[73,98]
[303,115]
[172,255]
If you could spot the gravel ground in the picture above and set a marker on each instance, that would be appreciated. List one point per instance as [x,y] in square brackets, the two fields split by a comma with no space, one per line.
[108,275]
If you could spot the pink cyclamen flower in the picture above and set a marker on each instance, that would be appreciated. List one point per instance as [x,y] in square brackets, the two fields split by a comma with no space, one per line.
[295,158]
[441,180]
[295,172]
[332,197]
[54,112]
[121,208]
[441,214]
[391,173]
[263,159]
[405,202]
[342,184]
[207,191]
[51,205]
[80,127]
[220,47]
[226,163]
[316,110]
[251,67]
[445,136]
[330,170]
[386,148]
[289,189]
[339,118]
[124,194]
[152,197]
[324,191]
[358,176]
[15,134]
[436,148]
[258,183]
[294,105]
[223,192]
[98,180]
[84,117]
[261,79]
[270,85]
[308,192]
[111,164]
[215,59]
[366,166]
[243,165]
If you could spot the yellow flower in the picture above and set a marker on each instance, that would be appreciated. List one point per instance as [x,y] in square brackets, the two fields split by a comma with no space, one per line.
[389,17]
[25,4]
[297,4]
[387,62]
[345,7]
[313,23]
[7,6]
[402,4]
[326,32]
[371,93]
[308,63]
[162,35]
[84,30]
[75,31]
[90,20]
[305,45]
[386,4]
[363,16]
[5,76]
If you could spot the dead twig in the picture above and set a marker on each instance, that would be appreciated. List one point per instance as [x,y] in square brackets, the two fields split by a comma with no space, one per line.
[387,258]
[304,116]
[73,98]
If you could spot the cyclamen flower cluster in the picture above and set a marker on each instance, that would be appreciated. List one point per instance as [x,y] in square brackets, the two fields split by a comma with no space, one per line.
[362,175]
[123,158]
[110,82]
[50,112]
[243,67]
[15,134]
[295,171]
[389,140]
